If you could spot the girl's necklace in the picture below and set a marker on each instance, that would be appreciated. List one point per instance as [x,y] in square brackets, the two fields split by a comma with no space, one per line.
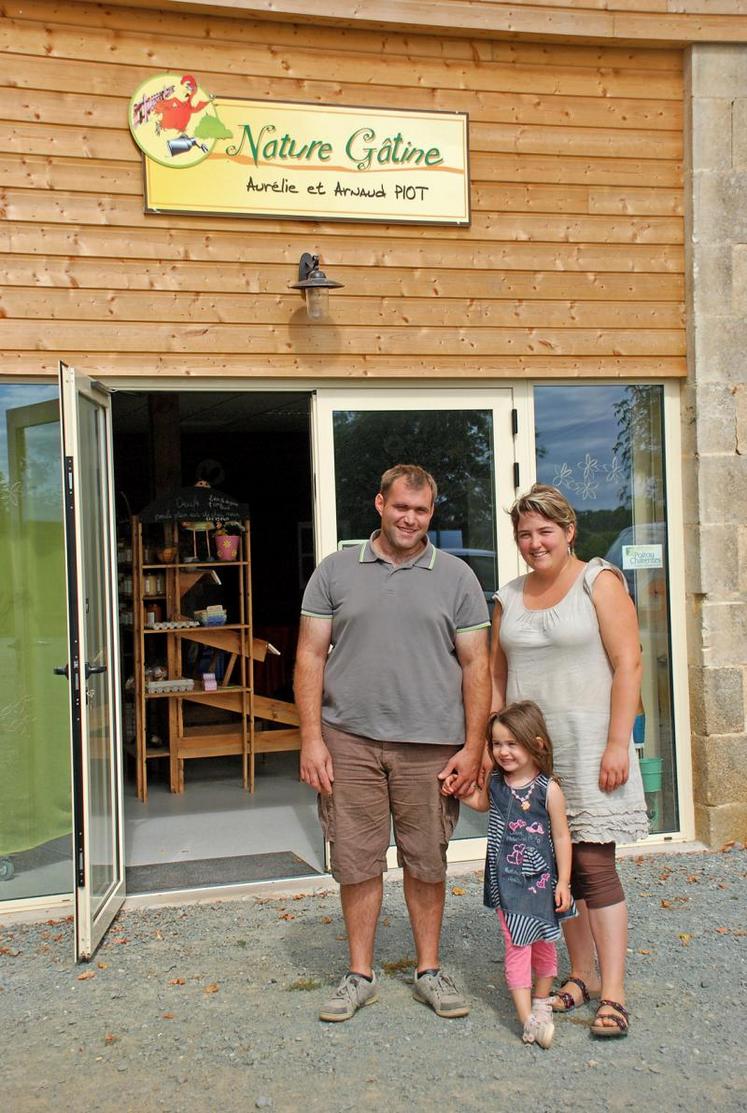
[523,799]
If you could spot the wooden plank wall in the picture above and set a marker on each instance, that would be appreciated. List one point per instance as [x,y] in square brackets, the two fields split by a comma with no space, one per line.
[649,22]
[573,265]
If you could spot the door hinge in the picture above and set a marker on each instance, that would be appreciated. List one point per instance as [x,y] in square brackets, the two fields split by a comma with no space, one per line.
[514,422]
[517,480]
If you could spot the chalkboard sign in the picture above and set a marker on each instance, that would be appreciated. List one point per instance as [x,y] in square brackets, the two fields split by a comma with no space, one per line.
[195,504]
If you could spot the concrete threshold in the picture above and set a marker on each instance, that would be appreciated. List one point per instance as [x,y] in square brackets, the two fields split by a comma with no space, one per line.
[284,889]
[317,885]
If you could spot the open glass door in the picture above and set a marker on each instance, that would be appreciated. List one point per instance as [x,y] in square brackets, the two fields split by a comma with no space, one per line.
[35,804]
[465,439]
[93,657]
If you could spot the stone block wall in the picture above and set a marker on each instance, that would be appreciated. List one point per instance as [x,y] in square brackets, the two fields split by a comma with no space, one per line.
[715,434]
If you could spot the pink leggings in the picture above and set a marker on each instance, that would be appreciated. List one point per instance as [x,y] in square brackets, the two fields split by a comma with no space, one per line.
[540,957]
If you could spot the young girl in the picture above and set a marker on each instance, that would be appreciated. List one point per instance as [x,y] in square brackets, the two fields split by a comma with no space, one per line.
[528,865]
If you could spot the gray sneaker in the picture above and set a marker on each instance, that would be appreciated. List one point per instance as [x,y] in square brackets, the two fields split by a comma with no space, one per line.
[352,994]
[438,991]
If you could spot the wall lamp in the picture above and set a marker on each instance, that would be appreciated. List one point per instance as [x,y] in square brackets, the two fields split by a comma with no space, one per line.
[315,286]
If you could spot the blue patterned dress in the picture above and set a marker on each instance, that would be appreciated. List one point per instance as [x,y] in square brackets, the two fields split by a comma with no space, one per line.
[520,869]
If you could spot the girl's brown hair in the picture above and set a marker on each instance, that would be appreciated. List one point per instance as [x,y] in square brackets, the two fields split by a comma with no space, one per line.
[527,725]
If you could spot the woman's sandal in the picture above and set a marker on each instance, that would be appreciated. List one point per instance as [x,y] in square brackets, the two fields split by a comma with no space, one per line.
[569,1003]
[620,1024]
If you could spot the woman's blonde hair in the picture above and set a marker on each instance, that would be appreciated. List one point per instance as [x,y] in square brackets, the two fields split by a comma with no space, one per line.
[549,503]
[525,722]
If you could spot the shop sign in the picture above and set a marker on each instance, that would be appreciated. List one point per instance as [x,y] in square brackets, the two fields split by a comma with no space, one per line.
[641,556]
[221,155]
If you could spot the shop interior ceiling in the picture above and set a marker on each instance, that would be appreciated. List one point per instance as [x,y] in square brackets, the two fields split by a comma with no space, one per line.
[206,411]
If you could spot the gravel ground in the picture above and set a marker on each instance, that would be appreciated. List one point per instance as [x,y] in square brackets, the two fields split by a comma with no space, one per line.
[213,1006]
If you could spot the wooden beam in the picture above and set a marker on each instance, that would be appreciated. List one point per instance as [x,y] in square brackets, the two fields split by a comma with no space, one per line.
[597,22]
[327,340]
[276,741]
[390,312]
[165,440]
[519,224]
[340,369]
[360,251]
[275,710]
[324,35]
[593,107]
[400,282]
[34,39]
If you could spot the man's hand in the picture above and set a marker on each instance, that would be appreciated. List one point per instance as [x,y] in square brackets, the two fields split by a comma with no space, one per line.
[614,767]
[487,766]
[466,765]
[316,767]
[314,640]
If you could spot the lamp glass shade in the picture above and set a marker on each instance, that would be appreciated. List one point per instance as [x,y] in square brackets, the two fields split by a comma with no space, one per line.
[317,302]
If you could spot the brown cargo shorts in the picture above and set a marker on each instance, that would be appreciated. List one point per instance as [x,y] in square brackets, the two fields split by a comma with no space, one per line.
[377,783]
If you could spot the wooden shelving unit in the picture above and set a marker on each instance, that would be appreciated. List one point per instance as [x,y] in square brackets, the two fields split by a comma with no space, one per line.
[235,692]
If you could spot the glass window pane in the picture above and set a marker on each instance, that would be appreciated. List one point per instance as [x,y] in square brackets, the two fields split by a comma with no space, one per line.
[102,845]
[35,798]
[455,446]
[603,446]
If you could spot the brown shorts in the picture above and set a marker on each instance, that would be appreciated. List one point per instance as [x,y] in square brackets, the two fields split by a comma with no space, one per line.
[377,783]
[594,876]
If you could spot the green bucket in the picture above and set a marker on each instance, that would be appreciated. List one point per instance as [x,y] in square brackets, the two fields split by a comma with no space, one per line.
[651,768]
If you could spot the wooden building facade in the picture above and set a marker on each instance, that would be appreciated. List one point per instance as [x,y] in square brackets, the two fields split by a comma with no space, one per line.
[573,265]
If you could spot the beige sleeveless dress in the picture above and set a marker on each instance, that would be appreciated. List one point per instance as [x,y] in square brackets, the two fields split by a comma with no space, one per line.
[556,658]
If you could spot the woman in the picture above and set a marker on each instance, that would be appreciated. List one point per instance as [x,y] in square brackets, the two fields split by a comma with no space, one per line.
[566,636]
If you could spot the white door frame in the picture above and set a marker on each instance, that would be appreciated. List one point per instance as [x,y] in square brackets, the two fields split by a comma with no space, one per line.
[93,914]
[499,400]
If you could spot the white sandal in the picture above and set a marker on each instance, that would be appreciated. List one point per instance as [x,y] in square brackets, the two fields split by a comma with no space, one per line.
[539,1027]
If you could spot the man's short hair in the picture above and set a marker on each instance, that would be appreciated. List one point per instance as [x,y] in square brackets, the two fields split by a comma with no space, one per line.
[414,477]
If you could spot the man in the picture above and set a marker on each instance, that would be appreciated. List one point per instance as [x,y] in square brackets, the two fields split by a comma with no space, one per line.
[400,700]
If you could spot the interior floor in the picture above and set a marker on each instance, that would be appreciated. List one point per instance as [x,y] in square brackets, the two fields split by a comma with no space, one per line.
[215,817]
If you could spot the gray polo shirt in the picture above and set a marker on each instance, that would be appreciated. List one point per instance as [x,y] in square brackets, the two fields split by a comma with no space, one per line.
[393,673]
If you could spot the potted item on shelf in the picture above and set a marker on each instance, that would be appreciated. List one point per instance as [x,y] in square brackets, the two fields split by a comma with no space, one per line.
[227,538]
[651,775]
[212,616]
[152,614]
[651,769]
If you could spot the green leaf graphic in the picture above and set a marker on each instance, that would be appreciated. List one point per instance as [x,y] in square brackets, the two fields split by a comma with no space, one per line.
[210,127]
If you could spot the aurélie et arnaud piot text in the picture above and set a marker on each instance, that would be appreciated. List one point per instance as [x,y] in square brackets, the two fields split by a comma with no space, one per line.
[362,149]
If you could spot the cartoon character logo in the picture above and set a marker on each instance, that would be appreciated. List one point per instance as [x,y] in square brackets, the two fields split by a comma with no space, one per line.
[174,121]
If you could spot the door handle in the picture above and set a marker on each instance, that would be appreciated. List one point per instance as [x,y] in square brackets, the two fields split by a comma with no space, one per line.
[61,670]
[91,669]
